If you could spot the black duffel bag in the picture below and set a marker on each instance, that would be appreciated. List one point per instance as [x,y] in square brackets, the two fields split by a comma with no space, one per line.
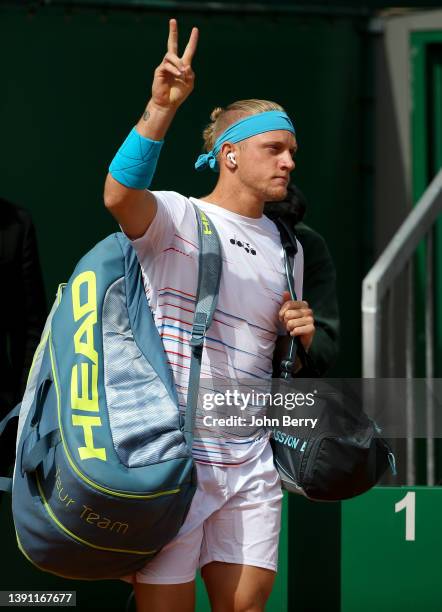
[342,457]
[345,456]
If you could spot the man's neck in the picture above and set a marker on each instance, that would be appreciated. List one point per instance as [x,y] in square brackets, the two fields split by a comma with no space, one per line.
[241,203]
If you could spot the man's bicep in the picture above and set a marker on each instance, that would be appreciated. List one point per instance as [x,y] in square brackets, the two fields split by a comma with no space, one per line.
[137,221]
[133,209]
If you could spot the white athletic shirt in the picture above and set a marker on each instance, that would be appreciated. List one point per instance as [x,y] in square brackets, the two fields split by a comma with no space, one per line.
[241,340]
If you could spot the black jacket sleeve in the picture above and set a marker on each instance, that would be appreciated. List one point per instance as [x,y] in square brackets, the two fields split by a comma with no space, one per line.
[319,290]
[34,303]
[23,307]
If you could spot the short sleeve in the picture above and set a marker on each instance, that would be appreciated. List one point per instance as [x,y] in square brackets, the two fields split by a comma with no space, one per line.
[171,210]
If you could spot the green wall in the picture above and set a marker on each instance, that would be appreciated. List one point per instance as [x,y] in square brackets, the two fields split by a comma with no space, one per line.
[73,83]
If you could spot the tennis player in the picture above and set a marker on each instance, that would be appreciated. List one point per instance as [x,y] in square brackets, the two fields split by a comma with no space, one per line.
[232,528]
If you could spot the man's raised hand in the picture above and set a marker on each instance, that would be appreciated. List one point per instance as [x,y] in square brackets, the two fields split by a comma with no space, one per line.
[174,78]
[135,207]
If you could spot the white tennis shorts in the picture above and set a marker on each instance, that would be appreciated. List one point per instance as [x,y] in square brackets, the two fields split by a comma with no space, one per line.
[235,517]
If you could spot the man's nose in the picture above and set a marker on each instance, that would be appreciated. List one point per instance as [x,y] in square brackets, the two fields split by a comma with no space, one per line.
[288,162]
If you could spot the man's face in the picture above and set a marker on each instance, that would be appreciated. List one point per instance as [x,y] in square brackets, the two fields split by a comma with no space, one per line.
[265,162]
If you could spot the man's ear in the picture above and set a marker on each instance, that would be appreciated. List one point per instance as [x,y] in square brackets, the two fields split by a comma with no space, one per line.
[228,155]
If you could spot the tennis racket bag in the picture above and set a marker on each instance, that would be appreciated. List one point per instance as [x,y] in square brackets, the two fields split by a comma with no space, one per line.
[104,474]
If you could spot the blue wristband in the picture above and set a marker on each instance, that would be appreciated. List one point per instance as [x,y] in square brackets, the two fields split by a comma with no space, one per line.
[135,163]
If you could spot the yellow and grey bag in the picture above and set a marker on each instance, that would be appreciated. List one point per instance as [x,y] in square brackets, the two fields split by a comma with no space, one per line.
[104,474]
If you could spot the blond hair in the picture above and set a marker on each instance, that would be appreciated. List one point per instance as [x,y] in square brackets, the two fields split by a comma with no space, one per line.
[221,118]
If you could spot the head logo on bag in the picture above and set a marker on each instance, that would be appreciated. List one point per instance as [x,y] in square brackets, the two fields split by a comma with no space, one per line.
[85,312]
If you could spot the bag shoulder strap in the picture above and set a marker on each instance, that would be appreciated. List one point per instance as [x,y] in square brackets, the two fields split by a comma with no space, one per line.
[209,276]
[290,247]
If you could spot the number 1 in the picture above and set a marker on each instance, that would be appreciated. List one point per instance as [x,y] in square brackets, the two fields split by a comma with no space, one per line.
[409,503]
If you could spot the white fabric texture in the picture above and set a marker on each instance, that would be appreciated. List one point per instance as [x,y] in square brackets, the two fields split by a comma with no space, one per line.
[241,340]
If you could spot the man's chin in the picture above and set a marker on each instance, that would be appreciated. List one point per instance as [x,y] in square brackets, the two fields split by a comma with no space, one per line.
[276,194]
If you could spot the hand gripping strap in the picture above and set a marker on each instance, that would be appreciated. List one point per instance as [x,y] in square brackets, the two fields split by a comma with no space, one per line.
[209,276]
[290,247]
[135,163]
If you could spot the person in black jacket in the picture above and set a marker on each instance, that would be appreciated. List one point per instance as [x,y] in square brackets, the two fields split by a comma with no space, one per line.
[22,309]
[319,286]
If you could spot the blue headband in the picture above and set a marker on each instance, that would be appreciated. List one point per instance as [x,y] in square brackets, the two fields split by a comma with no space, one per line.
[242,129]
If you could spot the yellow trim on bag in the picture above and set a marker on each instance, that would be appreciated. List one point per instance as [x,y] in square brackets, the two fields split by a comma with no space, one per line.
[24,552]
[43,569]
[71,461]
[75,537]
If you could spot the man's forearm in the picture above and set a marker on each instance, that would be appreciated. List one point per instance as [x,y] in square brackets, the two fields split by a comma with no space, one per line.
[152,125]
[131,171]
[155,121]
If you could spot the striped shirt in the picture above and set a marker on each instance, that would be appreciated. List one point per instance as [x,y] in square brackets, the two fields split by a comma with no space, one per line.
[239,345]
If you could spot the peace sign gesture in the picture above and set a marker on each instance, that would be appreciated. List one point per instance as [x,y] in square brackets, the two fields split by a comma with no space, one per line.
[174,78]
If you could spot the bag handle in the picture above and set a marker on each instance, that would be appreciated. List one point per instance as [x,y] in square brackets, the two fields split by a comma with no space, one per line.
[12,414]
[5,484]
[209,276]
[35,453]
[35,447]
[6,481]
